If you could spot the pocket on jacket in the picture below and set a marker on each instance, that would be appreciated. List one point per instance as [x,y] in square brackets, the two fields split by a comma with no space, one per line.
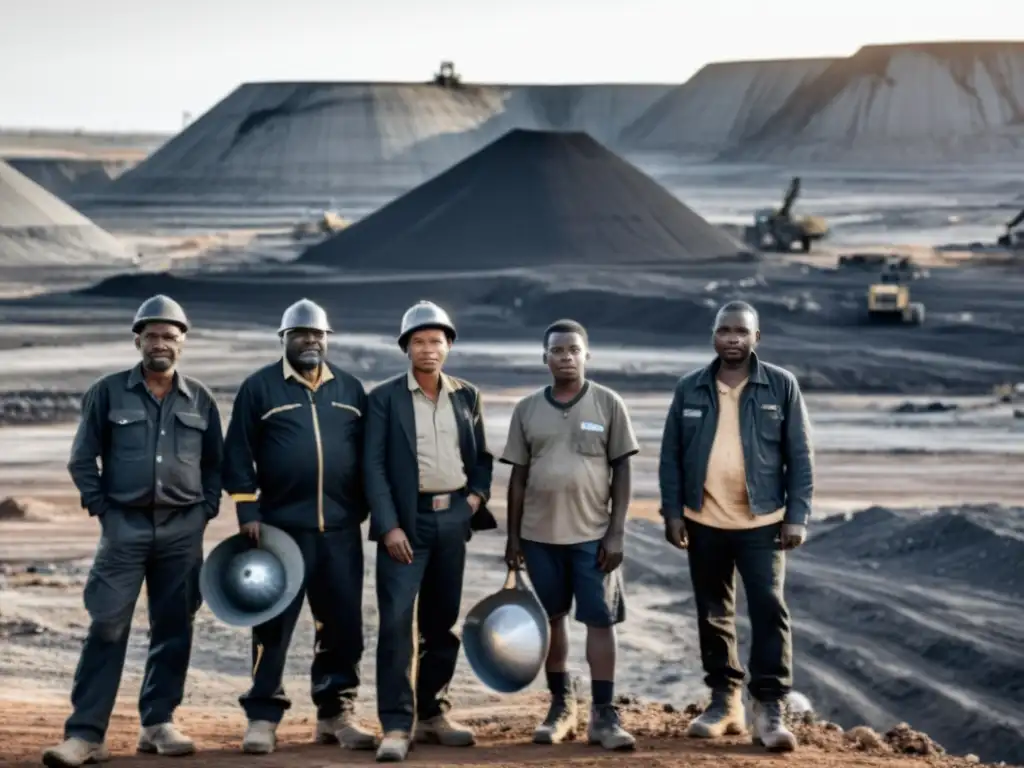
[189,429]
[129,431]
[769,424]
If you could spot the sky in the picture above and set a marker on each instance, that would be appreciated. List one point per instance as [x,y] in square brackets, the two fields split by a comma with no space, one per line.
[139,65]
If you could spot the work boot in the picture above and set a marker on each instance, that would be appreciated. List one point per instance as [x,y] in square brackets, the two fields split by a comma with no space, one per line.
[769,730]
[394,747]
[604,729]
[447,733]
[344,730]
[724,715]
[165,739]
[75,752]
[560,723]
[260,738]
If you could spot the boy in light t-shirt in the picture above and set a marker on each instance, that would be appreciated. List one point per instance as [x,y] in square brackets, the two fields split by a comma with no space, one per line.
[570,445]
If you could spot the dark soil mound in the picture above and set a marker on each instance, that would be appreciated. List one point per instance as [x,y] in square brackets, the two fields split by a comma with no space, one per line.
[529,199]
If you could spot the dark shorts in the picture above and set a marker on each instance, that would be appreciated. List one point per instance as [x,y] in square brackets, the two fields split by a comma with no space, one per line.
[561,572]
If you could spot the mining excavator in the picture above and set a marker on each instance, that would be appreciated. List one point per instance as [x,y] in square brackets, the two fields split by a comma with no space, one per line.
[1014,238]
[778,230]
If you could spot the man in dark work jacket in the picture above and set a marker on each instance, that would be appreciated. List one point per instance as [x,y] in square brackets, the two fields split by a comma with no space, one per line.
[428,479]
[157,434]
[293,460]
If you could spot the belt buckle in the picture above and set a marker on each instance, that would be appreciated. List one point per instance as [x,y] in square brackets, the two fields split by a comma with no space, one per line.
[441,502]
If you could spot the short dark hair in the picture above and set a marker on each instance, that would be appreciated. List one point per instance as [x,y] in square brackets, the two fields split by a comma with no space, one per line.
[565,326]
[739,307]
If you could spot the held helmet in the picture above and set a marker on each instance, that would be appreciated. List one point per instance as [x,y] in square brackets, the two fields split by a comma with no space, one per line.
[160,309]
[422,315]
[304,314]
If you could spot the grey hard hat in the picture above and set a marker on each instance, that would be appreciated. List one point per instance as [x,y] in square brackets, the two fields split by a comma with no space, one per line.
[160,309]
[506,637]
[244,584]
[421,315]
[304,314]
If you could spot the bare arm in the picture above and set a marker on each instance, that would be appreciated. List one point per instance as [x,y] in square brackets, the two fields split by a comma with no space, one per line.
[622,494]
[516,495]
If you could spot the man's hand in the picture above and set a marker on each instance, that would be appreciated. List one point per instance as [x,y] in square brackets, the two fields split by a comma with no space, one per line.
[252,530]
[474,502]
[398,546]
[792,536]
[609,554]
[675,532]
[513,552]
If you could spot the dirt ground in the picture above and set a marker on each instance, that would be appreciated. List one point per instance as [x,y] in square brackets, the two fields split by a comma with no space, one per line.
[503,740]
[910,611]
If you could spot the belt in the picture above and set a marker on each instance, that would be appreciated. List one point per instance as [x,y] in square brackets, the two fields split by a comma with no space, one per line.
[438,501]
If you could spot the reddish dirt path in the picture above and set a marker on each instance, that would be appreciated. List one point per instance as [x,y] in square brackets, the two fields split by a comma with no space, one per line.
[26,729]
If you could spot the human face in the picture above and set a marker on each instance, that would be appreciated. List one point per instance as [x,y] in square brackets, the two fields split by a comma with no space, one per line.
[161,345]
[428,349]
[566,356]
[736,336]
[305,348]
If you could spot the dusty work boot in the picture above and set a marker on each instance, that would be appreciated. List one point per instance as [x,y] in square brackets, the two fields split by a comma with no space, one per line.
[394,747]
[448,733]
[769,729]
[560,723]
[75,752]
[604,729]
[260,738]
[724,716]
[344,730]
[165,739]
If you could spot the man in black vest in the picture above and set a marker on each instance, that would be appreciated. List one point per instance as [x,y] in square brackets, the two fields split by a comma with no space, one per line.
[293,459]
[428,479]
[157,434]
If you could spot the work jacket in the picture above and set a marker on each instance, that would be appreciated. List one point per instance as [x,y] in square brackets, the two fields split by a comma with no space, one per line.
[156,457]
[775,431]
[293,453]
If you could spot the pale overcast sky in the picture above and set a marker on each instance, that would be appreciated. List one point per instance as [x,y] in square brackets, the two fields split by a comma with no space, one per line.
[139,64]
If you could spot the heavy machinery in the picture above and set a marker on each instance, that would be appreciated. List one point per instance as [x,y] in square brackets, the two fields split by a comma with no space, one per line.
[777,229]
[1013,238]
[889,298]
[446,76]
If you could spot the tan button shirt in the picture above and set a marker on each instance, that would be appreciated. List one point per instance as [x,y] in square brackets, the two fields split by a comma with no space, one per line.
[437,439]
[726,504]
[569,449]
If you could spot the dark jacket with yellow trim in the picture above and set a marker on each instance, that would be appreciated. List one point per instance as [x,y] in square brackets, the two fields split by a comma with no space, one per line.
[272,466]
[391,466]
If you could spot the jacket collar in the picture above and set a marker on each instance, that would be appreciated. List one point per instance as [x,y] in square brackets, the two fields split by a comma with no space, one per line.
[710,372]
[448,384]
[136,377]
[290,373]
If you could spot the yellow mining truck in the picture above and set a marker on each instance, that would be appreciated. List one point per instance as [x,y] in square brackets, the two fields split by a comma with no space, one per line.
[889,300]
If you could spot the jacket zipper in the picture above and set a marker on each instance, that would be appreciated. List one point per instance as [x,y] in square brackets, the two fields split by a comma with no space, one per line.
[319,463]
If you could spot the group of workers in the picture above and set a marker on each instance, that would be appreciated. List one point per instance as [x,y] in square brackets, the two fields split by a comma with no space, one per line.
[309,451]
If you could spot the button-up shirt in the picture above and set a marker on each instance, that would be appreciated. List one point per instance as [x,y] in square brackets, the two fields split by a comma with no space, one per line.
[156,454]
